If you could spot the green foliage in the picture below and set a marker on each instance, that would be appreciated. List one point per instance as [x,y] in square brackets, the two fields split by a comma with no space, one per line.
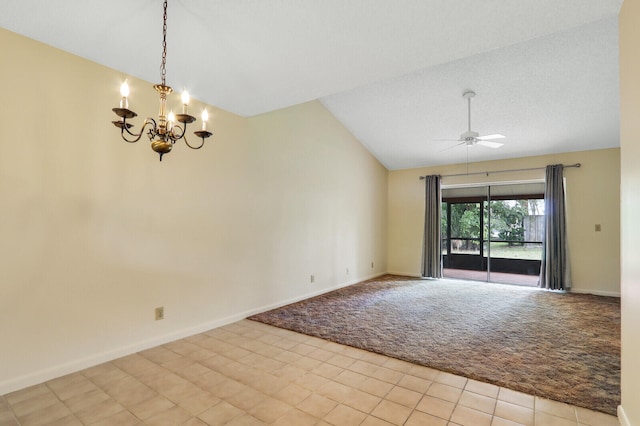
[509,219]
[465,220]
[465,223]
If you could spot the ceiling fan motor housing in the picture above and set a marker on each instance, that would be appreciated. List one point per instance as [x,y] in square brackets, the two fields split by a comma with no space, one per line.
[469,136]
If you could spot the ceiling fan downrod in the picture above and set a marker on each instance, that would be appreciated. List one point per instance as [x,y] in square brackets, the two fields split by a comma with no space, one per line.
[468,95]
[470,137]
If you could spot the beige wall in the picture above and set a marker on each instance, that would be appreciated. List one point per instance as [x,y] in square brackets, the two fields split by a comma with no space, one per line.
[96,232]
[630,206]
[592,198]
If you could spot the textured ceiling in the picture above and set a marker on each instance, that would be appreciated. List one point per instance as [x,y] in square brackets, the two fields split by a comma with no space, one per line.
[392,71]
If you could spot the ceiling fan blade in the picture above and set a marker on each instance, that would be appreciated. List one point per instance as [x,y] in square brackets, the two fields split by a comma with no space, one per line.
[453,146]
[490,137]
[446,140]
[489,144]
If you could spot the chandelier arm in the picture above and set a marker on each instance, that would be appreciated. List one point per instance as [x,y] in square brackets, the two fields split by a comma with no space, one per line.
[124,137]
[193,147]
[139,135]
[173,136]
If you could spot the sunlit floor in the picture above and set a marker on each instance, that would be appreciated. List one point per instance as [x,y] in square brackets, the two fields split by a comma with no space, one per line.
[496,277]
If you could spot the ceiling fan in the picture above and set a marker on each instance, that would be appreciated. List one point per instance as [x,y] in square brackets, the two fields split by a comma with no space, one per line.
[470,137]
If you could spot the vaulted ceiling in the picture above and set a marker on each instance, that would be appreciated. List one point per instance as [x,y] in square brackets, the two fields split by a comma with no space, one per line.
[392,71]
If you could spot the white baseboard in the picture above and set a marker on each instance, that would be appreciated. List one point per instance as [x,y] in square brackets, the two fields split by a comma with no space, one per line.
[59,370]
[622,417]
[596,292]
[312,294]
[405,274]
[95,359]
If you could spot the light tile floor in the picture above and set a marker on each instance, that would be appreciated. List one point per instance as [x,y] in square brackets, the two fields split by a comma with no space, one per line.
[248,373]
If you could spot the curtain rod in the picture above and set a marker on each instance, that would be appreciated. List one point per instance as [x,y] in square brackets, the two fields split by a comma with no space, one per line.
[503,171]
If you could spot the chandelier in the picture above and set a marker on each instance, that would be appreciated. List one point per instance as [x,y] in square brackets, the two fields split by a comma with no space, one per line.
[165,132]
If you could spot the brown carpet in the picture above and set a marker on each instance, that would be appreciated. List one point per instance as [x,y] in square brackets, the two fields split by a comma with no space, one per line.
[559,346]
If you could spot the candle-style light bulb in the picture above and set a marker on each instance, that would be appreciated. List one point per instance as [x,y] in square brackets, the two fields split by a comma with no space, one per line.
[171,119]
[205,118]
[124,91]
[185,101]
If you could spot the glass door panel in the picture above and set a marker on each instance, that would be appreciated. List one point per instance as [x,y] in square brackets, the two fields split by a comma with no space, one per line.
[463,239]
[493,233]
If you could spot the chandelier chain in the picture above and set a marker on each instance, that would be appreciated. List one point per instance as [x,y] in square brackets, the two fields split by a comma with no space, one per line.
[163,65]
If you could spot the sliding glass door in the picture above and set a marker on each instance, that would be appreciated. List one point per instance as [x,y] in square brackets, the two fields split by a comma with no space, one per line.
[493,233]
[517,232]
[462,231]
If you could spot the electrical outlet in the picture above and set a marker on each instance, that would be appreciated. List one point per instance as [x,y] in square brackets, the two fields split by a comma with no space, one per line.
[160,313]
[371,264]
[598,227]
[313,278]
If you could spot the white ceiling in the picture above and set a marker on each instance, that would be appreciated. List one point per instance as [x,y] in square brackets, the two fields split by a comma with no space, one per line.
[392,71]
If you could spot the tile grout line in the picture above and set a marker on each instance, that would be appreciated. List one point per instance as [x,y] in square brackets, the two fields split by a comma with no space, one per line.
[13,413]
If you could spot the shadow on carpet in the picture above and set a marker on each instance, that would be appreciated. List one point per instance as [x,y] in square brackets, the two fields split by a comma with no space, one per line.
[564,347]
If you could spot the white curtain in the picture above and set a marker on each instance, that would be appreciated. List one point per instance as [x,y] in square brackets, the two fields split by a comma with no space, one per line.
[432,241]
[555,271]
